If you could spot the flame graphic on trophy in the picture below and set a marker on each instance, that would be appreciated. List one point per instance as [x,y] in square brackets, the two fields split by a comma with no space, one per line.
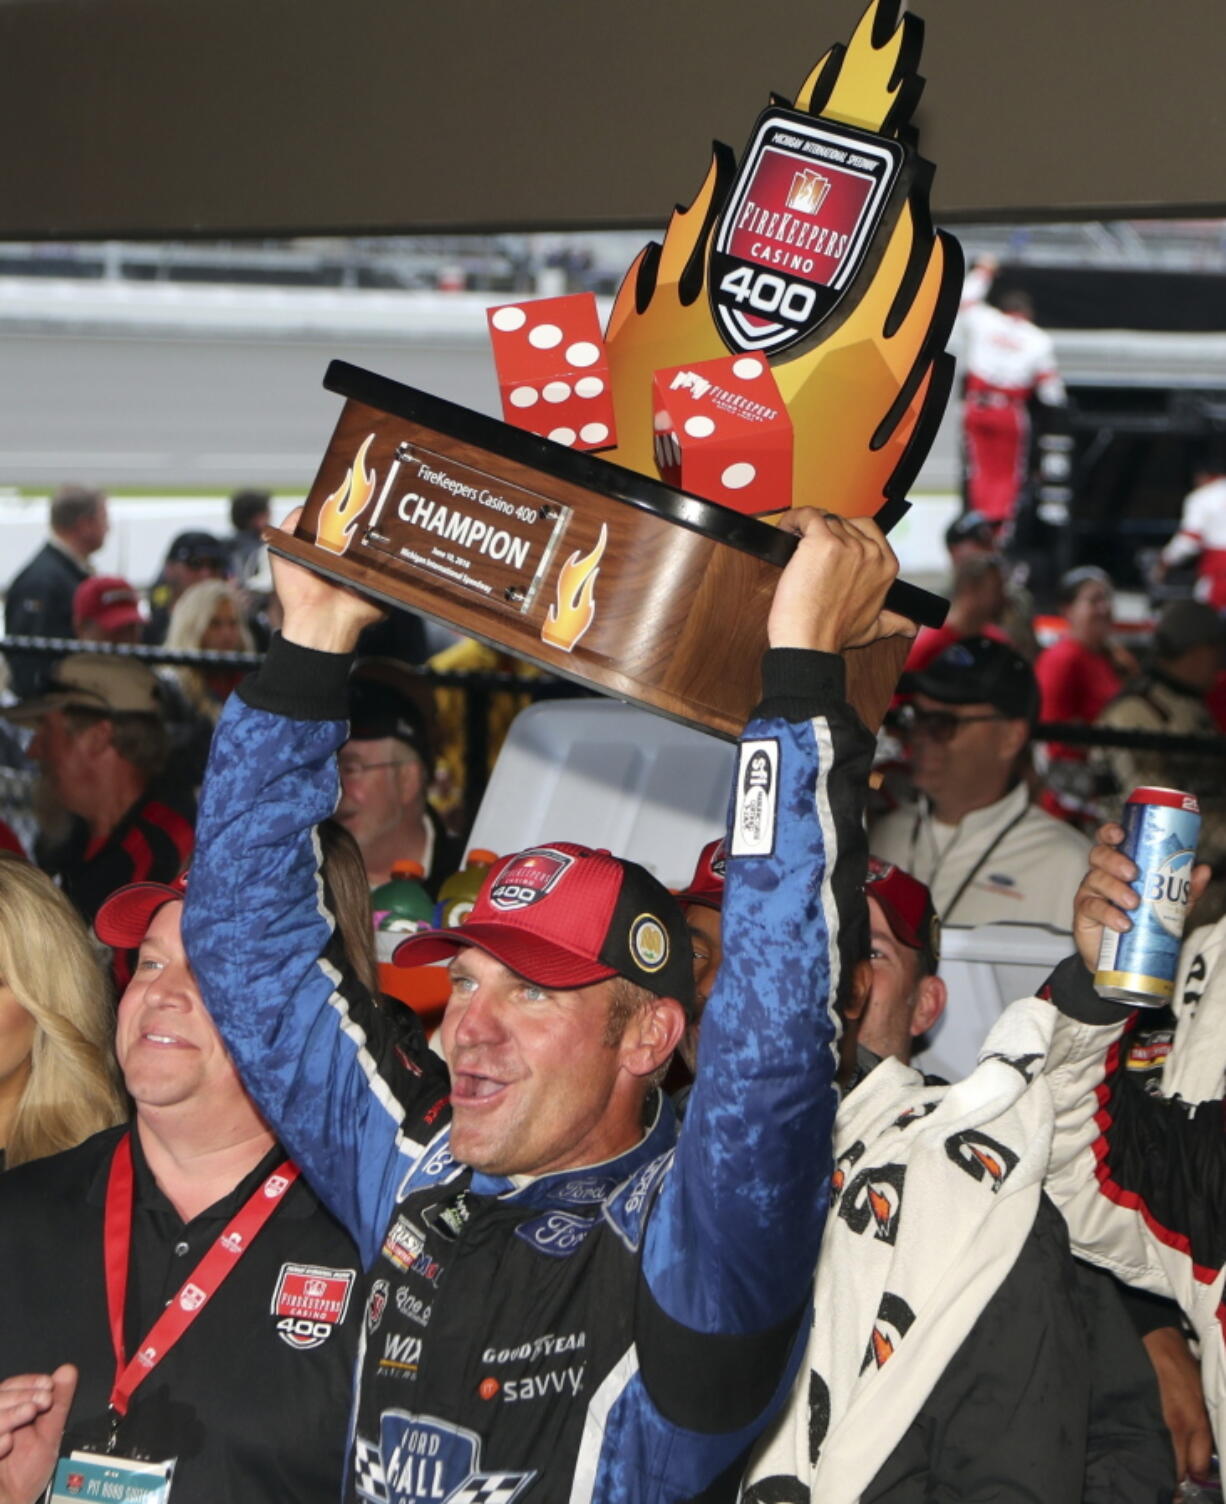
[854,322]
[574,610]
[339,512]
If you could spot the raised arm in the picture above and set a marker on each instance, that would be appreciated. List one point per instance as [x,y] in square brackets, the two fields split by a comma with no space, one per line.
[1141,1179]
[325,1066]
[732,1242]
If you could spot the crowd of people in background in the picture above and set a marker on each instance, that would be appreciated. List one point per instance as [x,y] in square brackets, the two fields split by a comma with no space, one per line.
[981,818]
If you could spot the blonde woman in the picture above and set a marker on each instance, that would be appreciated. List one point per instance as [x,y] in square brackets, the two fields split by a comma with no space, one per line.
[57,1079]
[208,615]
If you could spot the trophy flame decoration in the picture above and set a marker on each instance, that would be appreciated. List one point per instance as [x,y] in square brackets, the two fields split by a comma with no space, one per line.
[339,512]
[574,610]
[861,365]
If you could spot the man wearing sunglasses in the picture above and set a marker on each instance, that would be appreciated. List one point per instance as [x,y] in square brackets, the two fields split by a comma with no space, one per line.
[974,837]
[385,770]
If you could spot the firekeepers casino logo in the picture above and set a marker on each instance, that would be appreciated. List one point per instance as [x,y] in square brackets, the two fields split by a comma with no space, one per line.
[310,1303]
[799,219]
[529,878]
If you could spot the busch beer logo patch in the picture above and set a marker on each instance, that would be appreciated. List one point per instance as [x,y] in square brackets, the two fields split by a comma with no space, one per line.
[801,215]
[1149,1053]
[309,1302]
[528,877]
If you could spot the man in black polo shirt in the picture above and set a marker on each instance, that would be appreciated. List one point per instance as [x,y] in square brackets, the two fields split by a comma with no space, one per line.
[234,1291]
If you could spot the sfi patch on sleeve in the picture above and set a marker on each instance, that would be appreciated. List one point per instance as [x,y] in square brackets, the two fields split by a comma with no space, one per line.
[757,799]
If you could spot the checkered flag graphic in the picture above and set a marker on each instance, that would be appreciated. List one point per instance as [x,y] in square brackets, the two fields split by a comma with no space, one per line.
[491,1488]
[368,1475]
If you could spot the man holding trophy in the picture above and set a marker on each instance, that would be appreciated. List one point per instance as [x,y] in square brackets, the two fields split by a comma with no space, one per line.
[565,1298]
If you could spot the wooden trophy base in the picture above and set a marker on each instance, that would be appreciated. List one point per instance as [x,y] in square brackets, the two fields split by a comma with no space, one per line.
[590,571]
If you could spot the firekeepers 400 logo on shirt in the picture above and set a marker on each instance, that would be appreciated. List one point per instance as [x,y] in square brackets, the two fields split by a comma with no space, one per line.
[310,1302]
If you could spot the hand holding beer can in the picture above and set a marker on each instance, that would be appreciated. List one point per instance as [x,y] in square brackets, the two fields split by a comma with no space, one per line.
[1161,829]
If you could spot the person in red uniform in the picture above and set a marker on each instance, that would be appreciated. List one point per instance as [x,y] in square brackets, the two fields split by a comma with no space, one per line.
[1078,678]
[1008,360]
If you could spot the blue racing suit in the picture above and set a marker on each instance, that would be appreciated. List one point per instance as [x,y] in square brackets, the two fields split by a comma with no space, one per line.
[618,1331]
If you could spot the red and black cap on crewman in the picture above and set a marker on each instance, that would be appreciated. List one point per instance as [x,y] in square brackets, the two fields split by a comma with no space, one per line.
[908,908]
[564,916]
[123,920]
[707,885]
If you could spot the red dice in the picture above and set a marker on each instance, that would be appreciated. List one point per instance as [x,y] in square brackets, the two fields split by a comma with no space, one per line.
[553,372]
[723,433]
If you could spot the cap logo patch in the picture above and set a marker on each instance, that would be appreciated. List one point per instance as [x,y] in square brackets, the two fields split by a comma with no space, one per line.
[648,942]
[527,878]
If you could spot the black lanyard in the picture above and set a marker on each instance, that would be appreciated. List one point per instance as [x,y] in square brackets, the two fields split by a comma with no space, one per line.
[947,912]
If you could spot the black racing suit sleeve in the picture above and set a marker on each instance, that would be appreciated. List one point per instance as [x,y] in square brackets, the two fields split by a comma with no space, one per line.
[733,1238]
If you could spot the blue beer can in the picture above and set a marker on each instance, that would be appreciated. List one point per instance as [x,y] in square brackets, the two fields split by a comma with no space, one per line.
[1161,829]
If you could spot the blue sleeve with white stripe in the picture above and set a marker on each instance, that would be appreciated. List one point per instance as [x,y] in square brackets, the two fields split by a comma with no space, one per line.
[324,1065]
[733,1239]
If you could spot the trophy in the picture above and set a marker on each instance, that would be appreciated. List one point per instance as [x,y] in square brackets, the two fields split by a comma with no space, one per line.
[784,346]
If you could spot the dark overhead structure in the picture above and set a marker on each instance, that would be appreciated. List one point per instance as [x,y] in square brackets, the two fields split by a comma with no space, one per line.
[265,117]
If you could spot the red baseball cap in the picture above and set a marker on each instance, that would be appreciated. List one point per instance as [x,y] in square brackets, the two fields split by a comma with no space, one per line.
[707,885]
[124,918]
[108,600]
[907,906]
[566,916]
